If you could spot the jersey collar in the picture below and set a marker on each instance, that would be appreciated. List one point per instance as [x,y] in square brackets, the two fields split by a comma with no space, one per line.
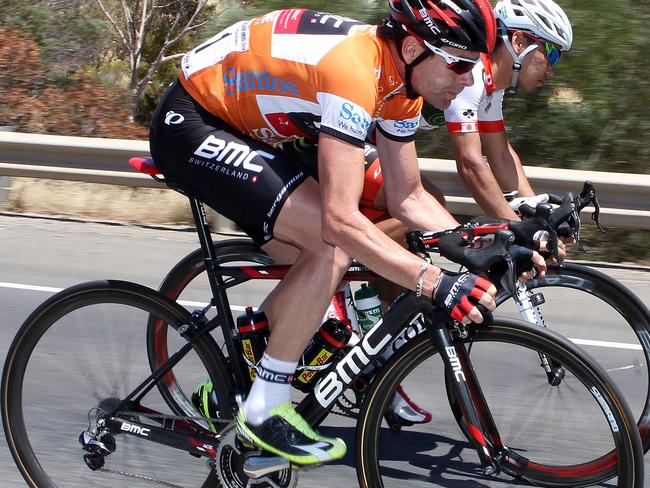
[488,78]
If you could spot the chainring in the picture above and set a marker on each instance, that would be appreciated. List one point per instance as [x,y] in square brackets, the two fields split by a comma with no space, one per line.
[229,466]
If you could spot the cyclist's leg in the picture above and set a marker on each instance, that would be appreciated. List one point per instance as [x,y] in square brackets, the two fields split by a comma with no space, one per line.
[403,410]
[270,197]
[298,297]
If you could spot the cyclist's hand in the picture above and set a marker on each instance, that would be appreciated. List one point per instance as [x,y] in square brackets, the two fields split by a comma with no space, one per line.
[544,247]
[538,268]
[459,295]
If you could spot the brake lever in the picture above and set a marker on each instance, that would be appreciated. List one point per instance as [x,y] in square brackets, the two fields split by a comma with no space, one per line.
[509,279]
[595,216]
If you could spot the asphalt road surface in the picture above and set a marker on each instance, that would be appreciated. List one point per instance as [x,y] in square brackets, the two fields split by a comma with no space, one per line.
[39,257]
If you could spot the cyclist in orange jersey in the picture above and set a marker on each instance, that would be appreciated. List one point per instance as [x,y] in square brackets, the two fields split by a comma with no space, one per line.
[299,73]
[532,34]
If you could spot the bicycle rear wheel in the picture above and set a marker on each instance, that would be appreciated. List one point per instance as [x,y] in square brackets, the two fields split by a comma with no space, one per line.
[187,283]
[566,436]
[81,352]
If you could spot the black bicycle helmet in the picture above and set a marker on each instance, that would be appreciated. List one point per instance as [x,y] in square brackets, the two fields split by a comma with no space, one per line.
[464,24]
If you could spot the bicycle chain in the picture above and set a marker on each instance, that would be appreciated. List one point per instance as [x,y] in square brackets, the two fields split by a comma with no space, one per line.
[139,477]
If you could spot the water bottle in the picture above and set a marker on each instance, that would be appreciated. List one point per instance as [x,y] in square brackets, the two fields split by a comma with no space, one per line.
[253,328]
[332,336]
[368,306]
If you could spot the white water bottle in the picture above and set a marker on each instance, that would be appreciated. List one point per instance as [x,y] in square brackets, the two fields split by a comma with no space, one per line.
[368,307]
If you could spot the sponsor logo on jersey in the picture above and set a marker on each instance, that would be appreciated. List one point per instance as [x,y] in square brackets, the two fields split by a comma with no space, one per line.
[240,81]
[173,118]
[354,120]
[405,126]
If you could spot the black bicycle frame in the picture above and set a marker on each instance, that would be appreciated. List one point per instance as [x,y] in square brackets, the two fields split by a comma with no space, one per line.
[468,399]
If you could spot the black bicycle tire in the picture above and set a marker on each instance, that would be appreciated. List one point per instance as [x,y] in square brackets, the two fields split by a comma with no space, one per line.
[176,281]
[39,321]
[616,295]
[517,332]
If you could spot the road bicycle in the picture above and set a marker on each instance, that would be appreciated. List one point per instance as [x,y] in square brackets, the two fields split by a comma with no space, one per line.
[116,409]
[619,338]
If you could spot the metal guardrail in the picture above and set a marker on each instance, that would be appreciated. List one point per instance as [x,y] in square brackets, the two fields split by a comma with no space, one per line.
[625,198]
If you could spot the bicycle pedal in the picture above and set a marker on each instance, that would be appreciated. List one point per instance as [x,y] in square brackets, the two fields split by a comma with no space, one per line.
[258,466]
[395,422]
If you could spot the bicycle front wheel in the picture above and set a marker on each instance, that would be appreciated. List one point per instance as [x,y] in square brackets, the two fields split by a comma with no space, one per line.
[75,359]
[570,435]
[607,320]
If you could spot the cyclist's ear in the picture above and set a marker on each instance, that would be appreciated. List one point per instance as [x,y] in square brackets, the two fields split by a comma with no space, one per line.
[519,42]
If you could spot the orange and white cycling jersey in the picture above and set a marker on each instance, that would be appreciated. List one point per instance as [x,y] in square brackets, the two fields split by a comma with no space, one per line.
[295,72]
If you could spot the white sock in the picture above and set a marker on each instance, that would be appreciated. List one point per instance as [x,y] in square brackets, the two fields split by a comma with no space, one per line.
[265,395]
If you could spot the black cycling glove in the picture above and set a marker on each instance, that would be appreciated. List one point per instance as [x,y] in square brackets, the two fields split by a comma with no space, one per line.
[458,294]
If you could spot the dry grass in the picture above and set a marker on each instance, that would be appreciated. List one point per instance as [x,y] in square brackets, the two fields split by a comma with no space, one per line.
[150,206]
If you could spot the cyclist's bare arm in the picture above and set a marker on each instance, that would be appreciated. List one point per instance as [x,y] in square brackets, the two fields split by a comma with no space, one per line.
[340,167]
[505,164]
[406,198]
[477,175]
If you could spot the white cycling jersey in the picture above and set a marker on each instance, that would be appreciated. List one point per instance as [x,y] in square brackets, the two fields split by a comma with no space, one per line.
[478,108]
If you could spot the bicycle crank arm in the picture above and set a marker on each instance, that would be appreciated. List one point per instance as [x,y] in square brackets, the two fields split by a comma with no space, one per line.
[196,444]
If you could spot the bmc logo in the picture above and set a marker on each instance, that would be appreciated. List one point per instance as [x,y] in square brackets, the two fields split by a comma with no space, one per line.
[455,364]
[231,153]
[351,365]
[134,429]
[358,118]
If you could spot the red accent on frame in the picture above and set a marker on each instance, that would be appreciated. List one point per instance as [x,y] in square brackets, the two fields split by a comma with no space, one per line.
[477,434]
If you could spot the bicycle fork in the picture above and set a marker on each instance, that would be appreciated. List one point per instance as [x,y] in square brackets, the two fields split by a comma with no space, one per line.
[466,398]
[528,306]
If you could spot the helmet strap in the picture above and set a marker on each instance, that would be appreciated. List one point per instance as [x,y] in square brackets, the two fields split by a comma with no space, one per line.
[411,94]
[517,58]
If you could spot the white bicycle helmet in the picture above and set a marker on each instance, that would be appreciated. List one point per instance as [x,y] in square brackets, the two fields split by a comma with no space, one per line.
[544,19]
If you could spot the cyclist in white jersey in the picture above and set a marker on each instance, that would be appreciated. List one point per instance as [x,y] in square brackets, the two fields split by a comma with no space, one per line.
[532,35]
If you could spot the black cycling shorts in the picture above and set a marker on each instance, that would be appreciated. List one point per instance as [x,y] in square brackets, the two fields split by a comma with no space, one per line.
[243,179]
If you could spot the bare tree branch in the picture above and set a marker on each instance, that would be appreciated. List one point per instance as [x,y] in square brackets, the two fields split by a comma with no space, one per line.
[139,16]
[114,24]
[188,27]
[171,57]
[129,21]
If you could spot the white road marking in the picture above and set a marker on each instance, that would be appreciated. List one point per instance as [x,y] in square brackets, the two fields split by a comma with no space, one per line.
[49,289]
[615,345]
[239,308]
